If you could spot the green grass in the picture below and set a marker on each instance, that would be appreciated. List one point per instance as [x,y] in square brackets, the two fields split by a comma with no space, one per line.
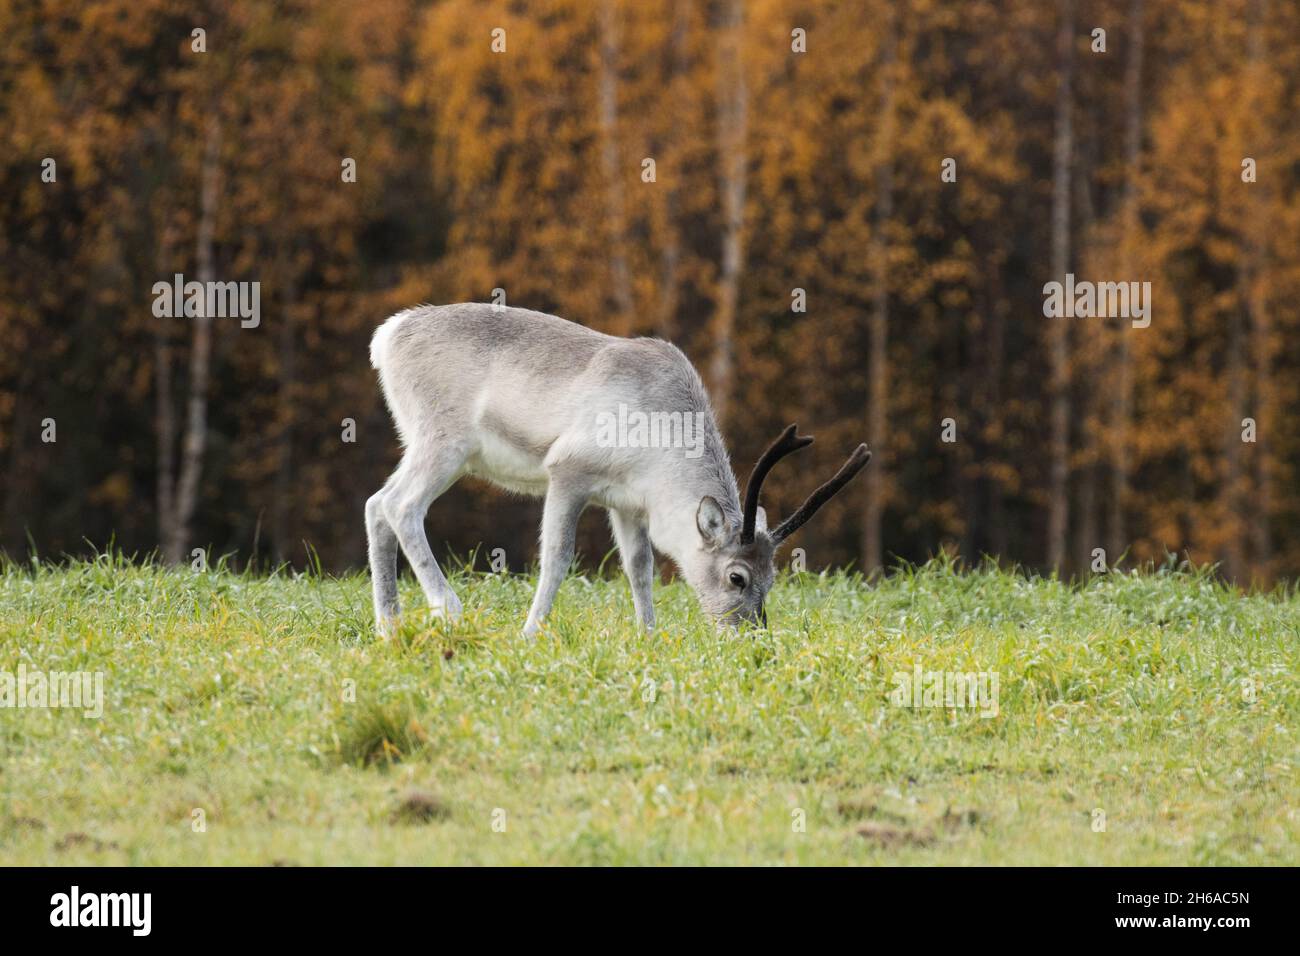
[229,694]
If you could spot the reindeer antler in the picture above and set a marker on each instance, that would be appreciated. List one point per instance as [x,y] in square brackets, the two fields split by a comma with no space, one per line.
[857,461]
[783,446]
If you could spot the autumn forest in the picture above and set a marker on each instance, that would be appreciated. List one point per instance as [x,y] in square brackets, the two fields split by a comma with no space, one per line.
[846,213]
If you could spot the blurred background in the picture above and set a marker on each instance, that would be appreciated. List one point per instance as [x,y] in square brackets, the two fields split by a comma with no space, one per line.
[761,182]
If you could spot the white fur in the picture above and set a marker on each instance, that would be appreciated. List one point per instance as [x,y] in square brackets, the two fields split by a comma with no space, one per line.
[512,396]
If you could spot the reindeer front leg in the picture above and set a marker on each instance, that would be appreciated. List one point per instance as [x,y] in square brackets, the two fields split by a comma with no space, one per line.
[633,539]
[565,499]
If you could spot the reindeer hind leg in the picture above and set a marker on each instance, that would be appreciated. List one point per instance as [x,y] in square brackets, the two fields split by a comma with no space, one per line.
[424,474]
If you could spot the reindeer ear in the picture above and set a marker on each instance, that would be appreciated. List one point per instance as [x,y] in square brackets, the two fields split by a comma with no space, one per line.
[711,521]
[760,521]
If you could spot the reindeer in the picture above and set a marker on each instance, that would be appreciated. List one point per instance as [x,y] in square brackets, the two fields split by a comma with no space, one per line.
[514,396]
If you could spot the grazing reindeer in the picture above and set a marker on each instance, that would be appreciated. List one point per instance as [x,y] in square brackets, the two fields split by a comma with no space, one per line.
[515,397]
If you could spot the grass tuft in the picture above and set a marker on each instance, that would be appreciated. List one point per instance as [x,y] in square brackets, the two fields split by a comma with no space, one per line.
[381,734]
[420,806]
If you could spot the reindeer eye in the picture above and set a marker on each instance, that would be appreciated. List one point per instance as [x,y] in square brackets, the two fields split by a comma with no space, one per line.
[738,580]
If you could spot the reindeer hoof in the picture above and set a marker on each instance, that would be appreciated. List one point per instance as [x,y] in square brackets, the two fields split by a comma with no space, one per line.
[449,608]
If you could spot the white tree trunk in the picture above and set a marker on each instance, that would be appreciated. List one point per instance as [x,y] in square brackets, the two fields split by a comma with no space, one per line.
[164,412]
[670,258]
[733,107]
[1116,538]
[1058,513]
[196,418]
[878,323]
[1260,327]
[614,174]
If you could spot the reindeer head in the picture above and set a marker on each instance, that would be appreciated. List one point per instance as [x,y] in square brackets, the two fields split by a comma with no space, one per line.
[738,564]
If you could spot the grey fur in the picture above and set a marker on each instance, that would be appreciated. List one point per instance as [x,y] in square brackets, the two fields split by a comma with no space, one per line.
[513,396]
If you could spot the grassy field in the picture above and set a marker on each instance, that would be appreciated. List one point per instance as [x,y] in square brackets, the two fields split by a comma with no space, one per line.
[247,719]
